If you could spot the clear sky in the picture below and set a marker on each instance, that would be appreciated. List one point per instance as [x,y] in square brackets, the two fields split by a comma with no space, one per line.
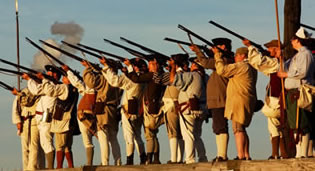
[146,22]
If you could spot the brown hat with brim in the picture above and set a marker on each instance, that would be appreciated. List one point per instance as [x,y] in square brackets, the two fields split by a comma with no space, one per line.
[272,43]
[242,50]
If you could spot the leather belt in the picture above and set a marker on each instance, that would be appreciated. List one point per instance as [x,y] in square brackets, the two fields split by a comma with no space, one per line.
[39,113]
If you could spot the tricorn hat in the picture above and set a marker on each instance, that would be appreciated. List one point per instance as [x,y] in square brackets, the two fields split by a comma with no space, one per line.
[303,34]
[195,60]
[54,69]
[180,58]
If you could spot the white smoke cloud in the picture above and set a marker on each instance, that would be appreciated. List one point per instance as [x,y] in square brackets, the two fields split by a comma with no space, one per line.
[70,32]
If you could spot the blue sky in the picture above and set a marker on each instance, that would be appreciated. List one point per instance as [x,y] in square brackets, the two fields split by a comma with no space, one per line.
[146,22]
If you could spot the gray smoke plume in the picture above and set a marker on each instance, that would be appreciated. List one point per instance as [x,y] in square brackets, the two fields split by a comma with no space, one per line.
[70,32]
[40,60]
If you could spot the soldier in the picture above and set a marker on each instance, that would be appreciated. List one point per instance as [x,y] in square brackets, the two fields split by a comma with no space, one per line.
[191,101]
[241,97]
[152,113]
[131,113]
[171,116]
[23,116]
[49,91]
[216,95]
[87,120]
[106,111]
[64,125]
[269,65]
[297,71]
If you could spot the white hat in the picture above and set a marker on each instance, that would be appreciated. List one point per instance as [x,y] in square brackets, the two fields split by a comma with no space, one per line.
[303,34]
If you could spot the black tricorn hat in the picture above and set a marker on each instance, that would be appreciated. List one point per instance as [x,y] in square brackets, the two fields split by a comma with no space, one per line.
[221,41]
[180,58]
[195,60]
[54,69]
[138,62]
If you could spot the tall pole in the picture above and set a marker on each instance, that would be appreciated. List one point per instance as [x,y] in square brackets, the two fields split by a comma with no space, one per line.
[17,41]
[281,58]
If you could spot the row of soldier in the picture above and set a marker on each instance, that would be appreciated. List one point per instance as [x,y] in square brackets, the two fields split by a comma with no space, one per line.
[145,95]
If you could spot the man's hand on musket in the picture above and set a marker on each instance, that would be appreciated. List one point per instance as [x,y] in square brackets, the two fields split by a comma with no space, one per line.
[14,91]
[246,42]
[85,63]
[194,48]
[126,62]
[40,75]
[25,76]
[103,61]
[65,68]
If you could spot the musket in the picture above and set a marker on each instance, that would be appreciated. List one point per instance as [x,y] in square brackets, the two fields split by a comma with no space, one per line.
[71,55]
[27,69]
[6,86]
[203,47]
[54,58]
[165,57]
[202,39]
[308,27]
[20,74]
[129,50]
[237,35]
[110,62]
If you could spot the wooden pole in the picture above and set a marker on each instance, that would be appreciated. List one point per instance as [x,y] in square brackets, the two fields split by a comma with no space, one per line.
[281,57]
[17,42]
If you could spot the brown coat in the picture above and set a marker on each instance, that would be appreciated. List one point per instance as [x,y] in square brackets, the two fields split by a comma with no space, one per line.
[216,86]
[241,90]
[105,93]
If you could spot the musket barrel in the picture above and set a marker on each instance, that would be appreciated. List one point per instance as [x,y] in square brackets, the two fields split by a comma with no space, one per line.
[6,86]
[62,51]
[129,50]
[195,35]
[236,35]
[145,48]
[44,51]
[96,50]
[308,27]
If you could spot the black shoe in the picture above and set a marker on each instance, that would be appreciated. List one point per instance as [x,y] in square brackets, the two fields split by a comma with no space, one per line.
[248,158]
[170,162]
[273,158]
[236,158]
[219,159]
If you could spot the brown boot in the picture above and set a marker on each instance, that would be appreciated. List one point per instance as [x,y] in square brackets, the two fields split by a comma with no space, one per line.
[50,157]
[275,147]
[69,158]
[283,149]
[60,157]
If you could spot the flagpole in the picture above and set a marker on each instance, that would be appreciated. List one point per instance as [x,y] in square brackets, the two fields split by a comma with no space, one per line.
[281,57]
[17,41]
